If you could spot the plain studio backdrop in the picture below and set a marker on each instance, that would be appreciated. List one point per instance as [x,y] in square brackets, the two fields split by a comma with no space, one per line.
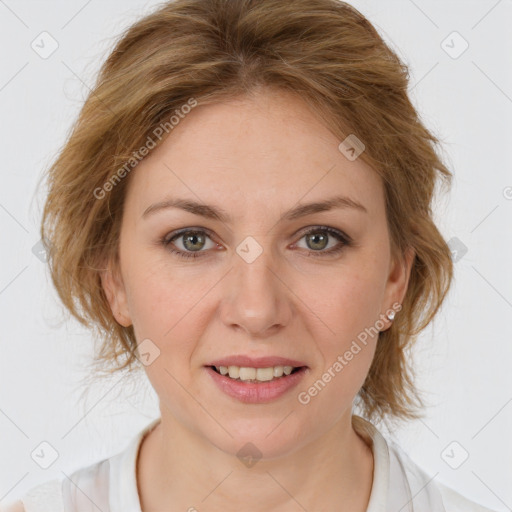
[459,53]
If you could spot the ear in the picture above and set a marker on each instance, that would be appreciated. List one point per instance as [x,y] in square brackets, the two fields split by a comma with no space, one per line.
[398,281]
[113,286]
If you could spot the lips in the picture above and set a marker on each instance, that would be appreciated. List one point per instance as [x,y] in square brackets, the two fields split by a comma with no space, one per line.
[250,392]
[256,362]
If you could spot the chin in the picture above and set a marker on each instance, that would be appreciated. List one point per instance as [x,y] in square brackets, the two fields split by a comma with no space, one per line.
[266,439]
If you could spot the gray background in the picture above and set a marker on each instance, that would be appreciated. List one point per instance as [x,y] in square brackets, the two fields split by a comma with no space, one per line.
[464,359]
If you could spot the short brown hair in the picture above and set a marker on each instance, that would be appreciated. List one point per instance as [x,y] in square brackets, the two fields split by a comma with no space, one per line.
[213,50]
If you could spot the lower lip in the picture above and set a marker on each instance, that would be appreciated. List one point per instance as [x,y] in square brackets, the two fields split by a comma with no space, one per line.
[256,393]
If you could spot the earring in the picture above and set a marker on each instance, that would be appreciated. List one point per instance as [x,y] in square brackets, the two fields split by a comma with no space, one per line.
[391,316]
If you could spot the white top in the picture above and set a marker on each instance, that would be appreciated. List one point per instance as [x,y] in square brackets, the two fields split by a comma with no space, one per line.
[110,485]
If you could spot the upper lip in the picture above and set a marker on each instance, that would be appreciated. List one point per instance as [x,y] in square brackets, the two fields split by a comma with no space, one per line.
[256,362]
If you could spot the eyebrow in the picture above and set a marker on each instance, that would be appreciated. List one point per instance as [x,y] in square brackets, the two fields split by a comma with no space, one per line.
[217,213]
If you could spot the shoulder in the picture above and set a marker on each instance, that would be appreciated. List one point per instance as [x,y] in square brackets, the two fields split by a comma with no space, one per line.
[58,495]
[89,482]
[41,498]
[14,507]
[447,498]
[455,502]
[72,493]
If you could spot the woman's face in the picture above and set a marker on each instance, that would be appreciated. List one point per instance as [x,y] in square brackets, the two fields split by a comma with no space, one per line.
[259,285]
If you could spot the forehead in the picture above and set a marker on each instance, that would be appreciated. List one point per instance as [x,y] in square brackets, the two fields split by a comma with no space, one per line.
[252,152]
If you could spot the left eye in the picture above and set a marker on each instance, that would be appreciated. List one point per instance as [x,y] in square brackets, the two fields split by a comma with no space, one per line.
[318,239]
[193,242]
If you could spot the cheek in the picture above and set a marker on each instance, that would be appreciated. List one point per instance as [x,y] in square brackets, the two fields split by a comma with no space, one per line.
[350,309]
[165,308]
[351,303]
[160,296]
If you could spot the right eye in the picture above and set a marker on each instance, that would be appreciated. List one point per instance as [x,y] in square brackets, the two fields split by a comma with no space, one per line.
[191,240]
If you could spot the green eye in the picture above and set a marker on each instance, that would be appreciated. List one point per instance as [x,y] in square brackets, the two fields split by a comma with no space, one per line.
[194,242]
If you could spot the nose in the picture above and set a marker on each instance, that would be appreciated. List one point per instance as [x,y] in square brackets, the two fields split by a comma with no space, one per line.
[255,297]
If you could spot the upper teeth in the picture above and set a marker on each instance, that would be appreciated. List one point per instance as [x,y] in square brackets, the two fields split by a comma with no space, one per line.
[261,374]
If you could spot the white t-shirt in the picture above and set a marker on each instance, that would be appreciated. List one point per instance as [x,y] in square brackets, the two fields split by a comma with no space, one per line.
[110,485]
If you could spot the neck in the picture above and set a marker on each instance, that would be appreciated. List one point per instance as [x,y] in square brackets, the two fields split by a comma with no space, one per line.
[179,470]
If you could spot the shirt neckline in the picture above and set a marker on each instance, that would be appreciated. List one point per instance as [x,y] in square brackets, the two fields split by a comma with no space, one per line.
[123,490]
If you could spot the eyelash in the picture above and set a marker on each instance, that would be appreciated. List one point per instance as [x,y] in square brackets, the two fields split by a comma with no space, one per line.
[340,236]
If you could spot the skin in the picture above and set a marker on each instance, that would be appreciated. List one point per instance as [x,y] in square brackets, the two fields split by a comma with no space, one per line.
[255,157]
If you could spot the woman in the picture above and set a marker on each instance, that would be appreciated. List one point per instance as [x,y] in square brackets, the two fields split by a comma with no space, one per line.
[244,206]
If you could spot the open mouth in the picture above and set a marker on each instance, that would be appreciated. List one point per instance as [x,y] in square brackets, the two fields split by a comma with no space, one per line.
[254,375]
